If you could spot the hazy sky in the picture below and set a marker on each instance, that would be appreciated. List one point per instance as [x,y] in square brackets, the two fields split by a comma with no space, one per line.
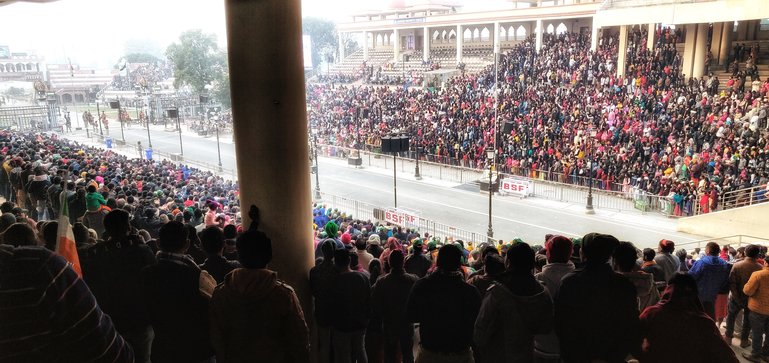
[95,33]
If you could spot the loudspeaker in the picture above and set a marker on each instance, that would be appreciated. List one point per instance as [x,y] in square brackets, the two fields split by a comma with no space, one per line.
[507,127]
[114,104]
[387,144]
[203,99]
[172,113]
[404,143]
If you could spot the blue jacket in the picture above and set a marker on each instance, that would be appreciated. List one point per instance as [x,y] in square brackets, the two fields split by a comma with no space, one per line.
[712,275]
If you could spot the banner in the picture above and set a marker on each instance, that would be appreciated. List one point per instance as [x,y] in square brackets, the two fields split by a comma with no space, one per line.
[518,187]
[401,218]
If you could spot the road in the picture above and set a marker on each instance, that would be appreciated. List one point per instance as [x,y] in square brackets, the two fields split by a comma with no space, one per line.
[450,203]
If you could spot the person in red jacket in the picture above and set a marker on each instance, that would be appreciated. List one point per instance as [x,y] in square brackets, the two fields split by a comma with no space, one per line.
[678,323]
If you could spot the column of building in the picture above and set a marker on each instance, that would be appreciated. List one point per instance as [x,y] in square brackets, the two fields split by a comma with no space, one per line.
[700,51]
[622,50]
[365,45]
[594,36]
[688,58]
[496,38]
[715,43]
[341,47]
[540,30]
[426,38]
[396,41]
[459,44]
[270,131]
[725,49]
[651,33]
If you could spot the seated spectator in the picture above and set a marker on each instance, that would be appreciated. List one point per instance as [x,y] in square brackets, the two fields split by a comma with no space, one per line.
[212,241]
[678,329]
[177,294]
[417,263]
[57,317]
[493,266]
[20,234]
[445,307]
[515,309]
[596,309]
[389,296]
[364,257]
[253,314]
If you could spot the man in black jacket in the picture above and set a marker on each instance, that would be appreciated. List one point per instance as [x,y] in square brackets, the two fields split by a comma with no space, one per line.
[445,307]
[351,298]
[177,294]
[388,301]
[212,241]
[596,310]
[417,263]
[112,270]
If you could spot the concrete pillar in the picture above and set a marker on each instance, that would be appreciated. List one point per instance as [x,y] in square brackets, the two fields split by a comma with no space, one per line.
[365,45]
[593,36]
[622,50]
[688,59]
[751,31]
[396,41]
[715,42]
[650,38]
[539,30]
[426,38]
[373,40]
[742,30]
[270,131]
[341,47]
[725,49]
[700,51]
[459,43]
[496,37]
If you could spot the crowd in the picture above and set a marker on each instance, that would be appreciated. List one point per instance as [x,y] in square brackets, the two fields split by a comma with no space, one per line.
[570,116]
[144,75]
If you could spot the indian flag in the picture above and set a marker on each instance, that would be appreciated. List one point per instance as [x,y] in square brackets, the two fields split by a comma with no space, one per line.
[65,238]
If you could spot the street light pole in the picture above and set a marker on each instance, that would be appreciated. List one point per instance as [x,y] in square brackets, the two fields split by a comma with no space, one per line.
[490,158]
[589,207]
[218,148]
[417,175]
[315,154]
[179,126]
[149,138]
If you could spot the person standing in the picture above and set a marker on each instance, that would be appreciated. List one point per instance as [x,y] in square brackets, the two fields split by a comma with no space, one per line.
[445,307]
[322,277]
[351,301]
[513,310]
[738,301]
[212,241]
[177,294]
[388,299]
[253,314]
[112,269]
[712,276]
[757,290]
[558,252]
[596,310]
[665,259]
[417,263]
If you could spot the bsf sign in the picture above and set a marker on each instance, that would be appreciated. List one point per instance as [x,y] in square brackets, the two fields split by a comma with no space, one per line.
[518,187]
[400,218]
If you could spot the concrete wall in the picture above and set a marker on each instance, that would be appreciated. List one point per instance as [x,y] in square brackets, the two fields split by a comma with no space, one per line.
[688,13]
[752,221]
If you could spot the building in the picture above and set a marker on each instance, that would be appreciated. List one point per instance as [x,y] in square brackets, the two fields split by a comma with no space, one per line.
[71,82]
[20,67]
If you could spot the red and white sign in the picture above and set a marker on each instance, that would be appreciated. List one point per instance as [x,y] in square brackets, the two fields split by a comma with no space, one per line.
[401,218]
[516,186]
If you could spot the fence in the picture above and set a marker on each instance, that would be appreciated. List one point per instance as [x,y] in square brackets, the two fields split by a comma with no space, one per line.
[542,187]
[132,150]
[733,241]
[367,211]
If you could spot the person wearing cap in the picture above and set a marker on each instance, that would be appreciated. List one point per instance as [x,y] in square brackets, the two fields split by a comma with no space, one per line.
[515,308]
[254,315]
[666,259]
[558,251]
[417,263]
[445,307]
[388,302]
[374,246]
[596,310]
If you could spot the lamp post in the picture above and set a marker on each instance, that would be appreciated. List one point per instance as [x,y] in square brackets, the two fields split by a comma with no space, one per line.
[589,207]
[218,147]
[315,156]
[490,159]
[149,138]
[417,175]
[179,126]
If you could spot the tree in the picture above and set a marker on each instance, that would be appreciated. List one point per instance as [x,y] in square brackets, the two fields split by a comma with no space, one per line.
[141,58]
[350,44]
[197,60]
[221,89]
[324,39]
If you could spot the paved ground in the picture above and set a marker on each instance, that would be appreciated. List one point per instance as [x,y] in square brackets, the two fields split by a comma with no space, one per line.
[441,201]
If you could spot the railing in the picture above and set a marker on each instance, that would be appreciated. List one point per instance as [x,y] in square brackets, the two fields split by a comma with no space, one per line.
[733,241]
[366,211]
[614,4]
[543,187]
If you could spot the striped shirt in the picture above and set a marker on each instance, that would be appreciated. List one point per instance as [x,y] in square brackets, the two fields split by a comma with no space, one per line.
[48,314]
